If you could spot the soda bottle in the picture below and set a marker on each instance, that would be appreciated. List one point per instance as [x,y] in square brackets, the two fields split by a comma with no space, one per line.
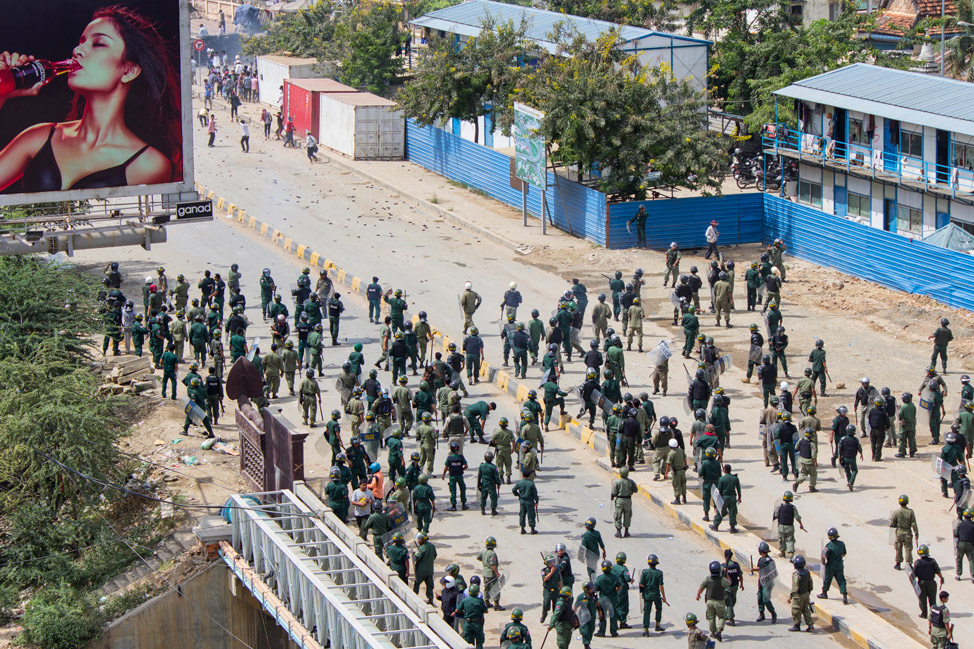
[30,74]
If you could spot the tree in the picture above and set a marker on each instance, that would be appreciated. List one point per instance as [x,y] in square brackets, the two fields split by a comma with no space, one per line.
[467,83]
[602,109]
[662,15]
[309,33]
[372,38]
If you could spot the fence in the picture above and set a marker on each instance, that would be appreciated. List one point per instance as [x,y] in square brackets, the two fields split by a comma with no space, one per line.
[573,207]
[883,257]
[685,221]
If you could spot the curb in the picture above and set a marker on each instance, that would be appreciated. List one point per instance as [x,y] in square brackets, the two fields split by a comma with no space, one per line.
[595,440]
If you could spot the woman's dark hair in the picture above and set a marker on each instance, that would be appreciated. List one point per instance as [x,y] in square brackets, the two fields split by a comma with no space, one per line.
[152,109]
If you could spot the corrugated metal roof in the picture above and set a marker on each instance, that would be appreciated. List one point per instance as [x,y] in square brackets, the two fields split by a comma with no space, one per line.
[360,99]
[320,85]
[287,60]
[467,18]
[911,97]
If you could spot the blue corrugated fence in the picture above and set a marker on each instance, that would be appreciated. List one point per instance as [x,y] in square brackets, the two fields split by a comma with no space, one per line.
[569,203]
[870,253]
[859,250]
[685,221]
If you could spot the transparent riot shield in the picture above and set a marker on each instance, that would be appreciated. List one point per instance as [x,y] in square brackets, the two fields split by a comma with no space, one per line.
[717,499]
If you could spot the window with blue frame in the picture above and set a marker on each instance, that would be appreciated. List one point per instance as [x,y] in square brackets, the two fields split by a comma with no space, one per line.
[909,219]
[810,193]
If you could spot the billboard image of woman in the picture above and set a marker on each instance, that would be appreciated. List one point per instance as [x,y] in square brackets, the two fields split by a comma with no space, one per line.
[101,112]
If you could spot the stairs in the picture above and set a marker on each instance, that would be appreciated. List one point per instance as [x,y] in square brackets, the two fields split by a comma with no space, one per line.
[171,547]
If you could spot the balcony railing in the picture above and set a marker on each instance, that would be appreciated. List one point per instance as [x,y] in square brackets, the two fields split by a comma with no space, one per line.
[865,161]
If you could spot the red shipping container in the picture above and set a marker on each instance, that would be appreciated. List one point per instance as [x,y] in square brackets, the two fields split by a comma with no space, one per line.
[301,102]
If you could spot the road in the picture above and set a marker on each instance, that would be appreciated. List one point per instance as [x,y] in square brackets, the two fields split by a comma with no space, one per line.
[568,470]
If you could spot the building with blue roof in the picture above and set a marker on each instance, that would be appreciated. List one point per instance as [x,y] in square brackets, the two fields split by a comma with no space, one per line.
[888,148]
[687,57]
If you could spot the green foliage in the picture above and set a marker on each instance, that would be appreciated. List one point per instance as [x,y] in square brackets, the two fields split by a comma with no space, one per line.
[640,13]
[126,601]
[308,33]
[462,83]
[601,109]
[372,38]
[60,617]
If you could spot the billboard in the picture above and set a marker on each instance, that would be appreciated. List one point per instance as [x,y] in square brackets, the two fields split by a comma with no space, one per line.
[94,99]
[530,164]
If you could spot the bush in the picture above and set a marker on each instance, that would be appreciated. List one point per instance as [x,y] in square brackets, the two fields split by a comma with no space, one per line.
[60,618]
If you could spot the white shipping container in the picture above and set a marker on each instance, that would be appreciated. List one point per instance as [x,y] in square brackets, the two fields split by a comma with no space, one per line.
[272,70]
[362,126]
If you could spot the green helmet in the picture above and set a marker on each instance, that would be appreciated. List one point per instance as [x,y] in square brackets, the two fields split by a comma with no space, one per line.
[473,590]
[624,472]
[590,523]
[422,536]
[423,478]
[566,591]
[691,619]
[969,513]
[427,416]
[490,542]
[774,401]
[711,452]
[621,558]
[514,634]
[398,537]
[832,533]
[923,551]
[357,347]
[517,614]
[788,497]
[400,482]
[453,570]
[652,560]
[502,422]
[904,500]
[811,410]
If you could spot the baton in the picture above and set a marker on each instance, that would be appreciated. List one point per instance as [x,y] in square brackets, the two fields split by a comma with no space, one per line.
[545,638]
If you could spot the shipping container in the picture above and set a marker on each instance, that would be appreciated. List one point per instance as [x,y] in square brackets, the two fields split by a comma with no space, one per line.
[301,101]
[272,70]
[362,126]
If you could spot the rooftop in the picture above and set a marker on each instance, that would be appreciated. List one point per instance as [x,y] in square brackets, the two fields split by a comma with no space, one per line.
[911,97]
[467,18]
[287,60]
[321,85]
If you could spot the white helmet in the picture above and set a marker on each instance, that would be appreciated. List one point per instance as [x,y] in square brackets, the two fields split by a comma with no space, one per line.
[468,286]
[674,443]
[513,285]
[449,582]
[864,379]
[148,280]
[776,271]
[784,385]
[673,245]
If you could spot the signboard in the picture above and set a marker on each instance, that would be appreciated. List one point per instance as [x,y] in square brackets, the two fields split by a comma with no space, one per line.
[74,51]
[195,210]
[198,45]
[530,164]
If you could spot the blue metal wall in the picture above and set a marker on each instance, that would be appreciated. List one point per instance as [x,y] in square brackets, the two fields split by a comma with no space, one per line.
[490,171]
[685,221]
[889,259]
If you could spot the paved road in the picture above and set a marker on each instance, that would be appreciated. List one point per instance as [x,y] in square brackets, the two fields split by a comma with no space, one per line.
[572,485]
[369,231]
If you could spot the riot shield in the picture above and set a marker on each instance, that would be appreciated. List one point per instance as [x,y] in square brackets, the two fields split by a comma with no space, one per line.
[387,433]
[601,402]
[192,410]
[584,615]
[767,575]
[821,568]
[767,325]
[762,431]
[926,397]
[724,363]
[962,500]
[253,349]
[913,580]
[660,354]
[544,377]
[763,291]
[589,558]
[343,392]
[942,469]
[674,300]
[398,521]
[892,530]
[687,401]
[717,498]
[754,356]
[493,587]
[607,607]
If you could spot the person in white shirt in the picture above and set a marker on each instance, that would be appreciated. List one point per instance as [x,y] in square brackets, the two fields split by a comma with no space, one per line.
[712,235]
[311,145]
[362,503]
[244,136]
[203,31]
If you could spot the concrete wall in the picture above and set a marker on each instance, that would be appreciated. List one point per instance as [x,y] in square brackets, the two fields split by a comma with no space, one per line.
[172,621]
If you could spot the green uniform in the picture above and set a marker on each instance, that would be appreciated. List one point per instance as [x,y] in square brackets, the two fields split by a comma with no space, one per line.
[691,327]
[169,363]
[472,610]
[333,436]
[904,521]
[677,461]
[801,592]
[649,582]
[273,367]
[622,610]
[337,492]
[503,441]
[594,547]
[426,438]
[709,475]
[488,480]
[290,360]
[941,338]
[309,399]
[907,417]
[399,560]
[238,347]
[527,495]
[672,266]
[832,556]
[423,507]
[589,604]
[817,359]
[562,621]
[713,591]
[622,491]
[729,488]
[607,585]
[423,566]
[378,523]
[314,349]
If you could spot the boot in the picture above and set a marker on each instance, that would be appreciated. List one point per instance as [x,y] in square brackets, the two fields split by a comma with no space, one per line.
[626,533]
[823,595]
[523,532]
[493,511]
[774,618]
[645,632]
[684,499]
[809,628]
[534,531]
[733,530]
[464,507]
[483,511]
[795,628]
[618,534]
[658,627]
[498,607]
[845,598]
[897,566]
[452,508]
[761,617]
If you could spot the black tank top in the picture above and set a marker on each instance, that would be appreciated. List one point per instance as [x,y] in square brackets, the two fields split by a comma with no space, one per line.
[42,173]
